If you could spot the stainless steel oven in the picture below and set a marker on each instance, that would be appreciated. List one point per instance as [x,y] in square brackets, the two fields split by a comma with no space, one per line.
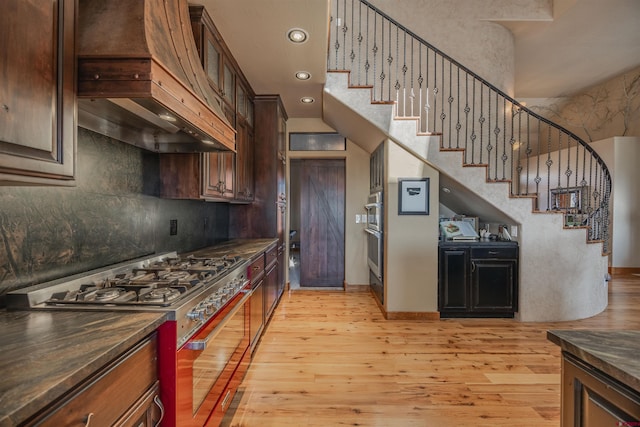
[375,243]
[212,363]
[374,211]
[374,233]
[374,252]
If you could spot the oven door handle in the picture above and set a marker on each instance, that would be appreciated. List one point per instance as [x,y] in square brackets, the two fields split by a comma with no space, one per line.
[375,233]
[201,345]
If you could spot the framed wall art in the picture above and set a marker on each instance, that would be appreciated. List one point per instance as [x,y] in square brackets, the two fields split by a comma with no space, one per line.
[413,196]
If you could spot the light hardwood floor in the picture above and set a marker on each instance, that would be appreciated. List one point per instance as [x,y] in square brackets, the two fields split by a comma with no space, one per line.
[330,359]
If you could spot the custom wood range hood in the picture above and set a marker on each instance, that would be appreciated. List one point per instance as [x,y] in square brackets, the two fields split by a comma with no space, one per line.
[140,79]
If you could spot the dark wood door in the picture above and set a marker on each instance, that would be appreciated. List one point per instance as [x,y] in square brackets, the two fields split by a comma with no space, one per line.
[322,190]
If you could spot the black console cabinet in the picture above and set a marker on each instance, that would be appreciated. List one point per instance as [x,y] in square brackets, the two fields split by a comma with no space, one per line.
[478,279]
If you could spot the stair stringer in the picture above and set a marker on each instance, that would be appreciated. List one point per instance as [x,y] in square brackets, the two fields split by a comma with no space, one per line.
[561,276]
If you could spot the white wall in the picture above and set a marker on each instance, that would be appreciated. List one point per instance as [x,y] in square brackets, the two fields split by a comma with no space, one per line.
[357,190]
[411,248]
[622,155]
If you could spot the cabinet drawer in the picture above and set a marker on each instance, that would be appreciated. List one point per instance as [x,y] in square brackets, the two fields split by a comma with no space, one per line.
[256,269]
[271,256]
[103,400]
[496,252]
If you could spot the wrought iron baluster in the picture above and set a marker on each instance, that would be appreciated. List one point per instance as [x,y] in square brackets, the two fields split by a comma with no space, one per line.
[519,150]
[450,100]
[528,152]
[458,124]
[549,163]
[412,95]
[337,42]
[504,139]
[352,55]
[442,86]
[537,179]
[435,91]
[345,28]
[375,52]
[367,65]
[473,123]
[568,172]
[467,109]
[481,121]
[420,81]
[496,132]
[360,38]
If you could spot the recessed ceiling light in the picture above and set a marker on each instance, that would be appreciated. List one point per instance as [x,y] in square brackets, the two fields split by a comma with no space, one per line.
[297,35]
[307,100]
[446,190]
[303,75]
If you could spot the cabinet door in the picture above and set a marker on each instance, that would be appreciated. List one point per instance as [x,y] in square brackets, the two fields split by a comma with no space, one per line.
[213,62]
[592,399]
[492,285]
[37,92]
[217,180]
[453,278]
[257,313]
[180,175]
[228,83]
[113,394]
[281,270]
[271,290]
[244,162]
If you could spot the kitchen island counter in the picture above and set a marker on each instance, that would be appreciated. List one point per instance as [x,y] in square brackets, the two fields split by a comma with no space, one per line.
[613,352]
[45,354]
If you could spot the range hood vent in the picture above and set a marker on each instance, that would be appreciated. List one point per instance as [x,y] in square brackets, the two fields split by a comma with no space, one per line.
[140,79]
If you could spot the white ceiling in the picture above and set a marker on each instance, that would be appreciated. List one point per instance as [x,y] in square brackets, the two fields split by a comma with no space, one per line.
[589,41]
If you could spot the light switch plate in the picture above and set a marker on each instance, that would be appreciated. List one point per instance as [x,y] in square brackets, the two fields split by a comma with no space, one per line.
[514,230]
[358,218]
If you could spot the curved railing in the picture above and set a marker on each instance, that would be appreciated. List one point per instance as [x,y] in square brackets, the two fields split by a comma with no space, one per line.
[540,159]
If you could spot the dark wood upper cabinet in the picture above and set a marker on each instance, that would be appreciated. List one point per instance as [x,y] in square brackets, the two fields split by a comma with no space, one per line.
[216,176]
[265,216]
[37,92]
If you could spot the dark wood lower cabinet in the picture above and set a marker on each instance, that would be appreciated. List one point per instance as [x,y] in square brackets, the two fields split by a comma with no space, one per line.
[478,279]
[591,398]
[271,288]
[124,393]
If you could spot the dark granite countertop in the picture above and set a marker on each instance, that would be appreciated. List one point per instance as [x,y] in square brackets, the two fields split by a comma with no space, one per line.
[246,248]
[616,353]
[44,354]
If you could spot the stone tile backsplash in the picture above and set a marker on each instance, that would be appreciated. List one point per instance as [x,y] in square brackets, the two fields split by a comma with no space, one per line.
[112,215]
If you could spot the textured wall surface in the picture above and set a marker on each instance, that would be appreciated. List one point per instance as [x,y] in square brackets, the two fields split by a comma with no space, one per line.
[112,215]
[609,109]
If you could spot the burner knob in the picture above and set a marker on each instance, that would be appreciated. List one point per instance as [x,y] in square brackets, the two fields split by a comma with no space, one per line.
[196,314]
[209,308]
